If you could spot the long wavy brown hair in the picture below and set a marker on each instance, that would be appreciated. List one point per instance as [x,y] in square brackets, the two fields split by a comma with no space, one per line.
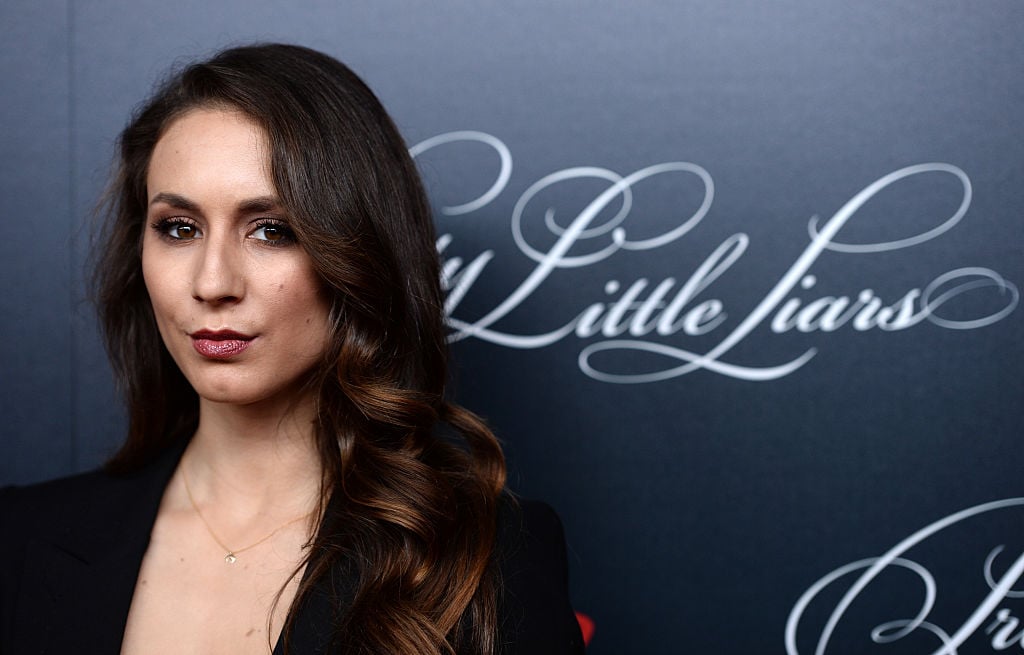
[410,481]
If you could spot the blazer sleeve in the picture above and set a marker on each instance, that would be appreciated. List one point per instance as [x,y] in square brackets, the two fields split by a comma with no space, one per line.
[535,614]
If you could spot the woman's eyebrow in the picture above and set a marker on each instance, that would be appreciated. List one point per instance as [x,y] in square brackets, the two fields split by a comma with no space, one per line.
[248,206]
[261,204]
[174,200]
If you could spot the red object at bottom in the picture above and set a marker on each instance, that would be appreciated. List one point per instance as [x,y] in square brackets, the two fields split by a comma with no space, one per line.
[586,627]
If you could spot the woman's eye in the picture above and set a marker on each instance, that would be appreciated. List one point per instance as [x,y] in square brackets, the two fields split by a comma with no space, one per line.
[275,233]
[182,231]
[177,230]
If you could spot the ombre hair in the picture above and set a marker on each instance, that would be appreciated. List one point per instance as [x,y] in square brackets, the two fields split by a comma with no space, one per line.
[410,482]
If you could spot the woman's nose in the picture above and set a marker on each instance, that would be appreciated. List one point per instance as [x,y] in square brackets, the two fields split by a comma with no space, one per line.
[218,276]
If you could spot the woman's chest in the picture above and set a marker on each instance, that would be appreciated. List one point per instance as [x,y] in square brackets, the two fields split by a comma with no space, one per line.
[189,599]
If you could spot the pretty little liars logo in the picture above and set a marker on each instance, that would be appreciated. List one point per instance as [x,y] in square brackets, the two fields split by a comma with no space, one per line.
[901,597]
[657,322]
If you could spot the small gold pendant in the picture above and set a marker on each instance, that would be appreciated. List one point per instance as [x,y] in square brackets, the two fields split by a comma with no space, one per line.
[230,558]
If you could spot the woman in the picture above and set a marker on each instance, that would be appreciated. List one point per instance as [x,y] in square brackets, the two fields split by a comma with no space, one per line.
[293,477]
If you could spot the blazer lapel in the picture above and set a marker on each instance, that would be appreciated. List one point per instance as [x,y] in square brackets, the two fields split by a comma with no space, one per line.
[85,574]
[89,571]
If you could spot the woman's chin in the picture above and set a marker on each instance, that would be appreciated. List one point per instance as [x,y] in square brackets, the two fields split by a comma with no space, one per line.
[232,394]
[244,394]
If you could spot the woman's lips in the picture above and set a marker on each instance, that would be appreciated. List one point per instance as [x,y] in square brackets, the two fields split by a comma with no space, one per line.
[224,344]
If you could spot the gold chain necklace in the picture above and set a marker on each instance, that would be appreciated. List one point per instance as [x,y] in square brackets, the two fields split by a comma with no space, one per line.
[232,553]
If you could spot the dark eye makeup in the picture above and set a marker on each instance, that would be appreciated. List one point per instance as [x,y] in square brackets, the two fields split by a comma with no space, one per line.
[273,232]
[269,231]
[176,228]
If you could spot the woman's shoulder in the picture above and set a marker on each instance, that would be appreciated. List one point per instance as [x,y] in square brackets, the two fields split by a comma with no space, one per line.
[36,506]
[530,533]
[35,520]
[537,515]
[81,502]
[534,610]
[70,550]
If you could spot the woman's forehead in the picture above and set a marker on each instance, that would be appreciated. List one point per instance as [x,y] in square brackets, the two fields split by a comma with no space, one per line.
[208,152]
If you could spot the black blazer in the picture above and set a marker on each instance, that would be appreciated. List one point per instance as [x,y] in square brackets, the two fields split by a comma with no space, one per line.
[71,549]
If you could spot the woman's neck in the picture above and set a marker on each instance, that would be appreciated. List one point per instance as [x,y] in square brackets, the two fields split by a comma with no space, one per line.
[254,459]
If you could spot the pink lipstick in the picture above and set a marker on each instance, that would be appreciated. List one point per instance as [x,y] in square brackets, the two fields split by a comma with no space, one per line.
[223,344]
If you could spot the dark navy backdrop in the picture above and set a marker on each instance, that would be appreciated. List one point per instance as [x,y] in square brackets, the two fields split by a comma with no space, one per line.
[714,499]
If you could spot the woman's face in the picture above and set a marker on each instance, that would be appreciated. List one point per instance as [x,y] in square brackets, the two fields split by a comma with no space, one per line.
[236,299]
